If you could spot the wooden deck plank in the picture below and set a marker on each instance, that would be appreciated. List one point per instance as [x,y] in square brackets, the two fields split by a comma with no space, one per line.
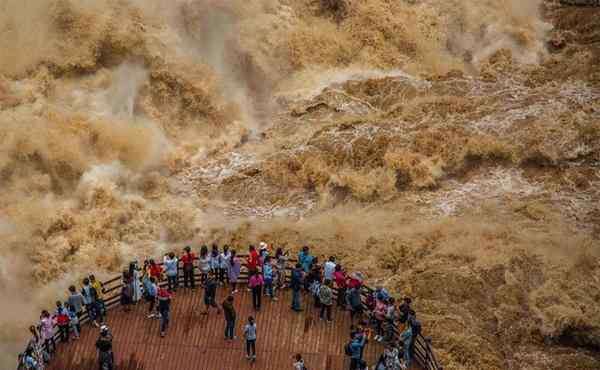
[196,342]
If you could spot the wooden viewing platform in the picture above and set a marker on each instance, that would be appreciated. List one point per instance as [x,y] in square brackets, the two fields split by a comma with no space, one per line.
[196,342]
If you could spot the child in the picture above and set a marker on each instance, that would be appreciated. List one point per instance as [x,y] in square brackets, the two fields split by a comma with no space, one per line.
[188,267]
[150,293]
[250,335]
[73,321]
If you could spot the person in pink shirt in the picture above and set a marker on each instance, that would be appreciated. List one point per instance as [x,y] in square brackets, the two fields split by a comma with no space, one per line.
[256,283]
[47,330]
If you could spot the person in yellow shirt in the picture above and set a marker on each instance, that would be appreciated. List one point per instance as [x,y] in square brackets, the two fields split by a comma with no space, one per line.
[97,285]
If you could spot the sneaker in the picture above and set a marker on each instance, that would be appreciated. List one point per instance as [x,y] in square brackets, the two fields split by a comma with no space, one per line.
[151,316]
[235,291]
[162,335]
[275,299]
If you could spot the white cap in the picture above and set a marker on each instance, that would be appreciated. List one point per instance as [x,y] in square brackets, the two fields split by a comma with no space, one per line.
[263,245]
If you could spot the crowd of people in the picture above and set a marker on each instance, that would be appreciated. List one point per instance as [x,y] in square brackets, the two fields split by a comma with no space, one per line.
[374,314]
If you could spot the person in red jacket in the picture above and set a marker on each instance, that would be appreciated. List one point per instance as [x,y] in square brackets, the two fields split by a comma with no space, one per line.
[155,270]
[188,268]
[252,259]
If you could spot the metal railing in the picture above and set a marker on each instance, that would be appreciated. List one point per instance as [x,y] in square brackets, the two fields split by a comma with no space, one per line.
[423,352]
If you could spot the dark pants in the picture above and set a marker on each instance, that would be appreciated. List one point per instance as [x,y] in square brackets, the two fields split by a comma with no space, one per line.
[222,275]
[50,345]
[172,282]
[106,360]
[152,301]
[341,297]
[316,300]
[100,308]
[269,287]
[229,328]
[251,347]
[164,320]
[326,309]
[256,296]
[92,311]
[64,332]
[188,277]
[296,304]
[356,364]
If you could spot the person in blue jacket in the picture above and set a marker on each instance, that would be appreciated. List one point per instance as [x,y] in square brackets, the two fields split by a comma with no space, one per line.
[356,348]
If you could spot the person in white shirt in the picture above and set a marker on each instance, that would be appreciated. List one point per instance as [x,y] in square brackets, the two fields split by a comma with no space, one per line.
[224,264]
[171,263]
[329,268]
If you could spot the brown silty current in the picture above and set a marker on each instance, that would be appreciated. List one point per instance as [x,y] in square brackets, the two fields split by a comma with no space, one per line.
[450,150]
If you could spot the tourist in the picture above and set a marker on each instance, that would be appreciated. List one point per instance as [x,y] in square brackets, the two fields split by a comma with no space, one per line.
[235,266]
[36,344]
[356,348]
[47,330]
[296,283]
[90,297]
[171,264]
[340,281]
[61,317]
[391,358]
[164,308]
[230,315]
[252,262]
[224,263]
[155,269]
[299,362]
[329,268]
[29,361]
[210,294]
[268,278]
[356,307]
[250,335]
[188,267]
[136,289]
[204,264]
[126,291]
[415,326]
[406,339]
[305,259]
[326,300]
[104,347]
[281,259]
[263,253]
[75,300]
[150,294]
[256,283]
[314,282]
[213,261]
[379,318]
[405,309]
[99,288]
[73,321]
[390,319]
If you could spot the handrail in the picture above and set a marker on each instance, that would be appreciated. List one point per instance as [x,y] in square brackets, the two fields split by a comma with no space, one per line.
[423,353]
